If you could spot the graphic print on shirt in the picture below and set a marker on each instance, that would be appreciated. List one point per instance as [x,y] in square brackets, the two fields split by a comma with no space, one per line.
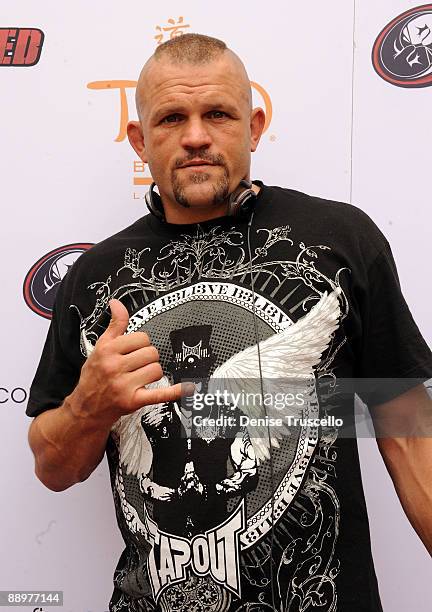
[196,500]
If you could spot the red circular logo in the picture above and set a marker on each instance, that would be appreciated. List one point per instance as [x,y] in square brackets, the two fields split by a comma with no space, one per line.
[43,278]
[402,53]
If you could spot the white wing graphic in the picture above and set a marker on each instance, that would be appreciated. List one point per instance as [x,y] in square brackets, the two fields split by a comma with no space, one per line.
[288,358]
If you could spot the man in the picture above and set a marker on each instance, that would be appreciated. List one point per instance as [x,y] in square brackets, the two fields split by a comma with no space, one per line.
[293,287]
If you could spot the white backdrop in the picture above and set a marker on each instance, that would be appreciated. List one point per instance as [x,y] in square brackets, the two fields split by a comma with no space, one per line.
[337,130]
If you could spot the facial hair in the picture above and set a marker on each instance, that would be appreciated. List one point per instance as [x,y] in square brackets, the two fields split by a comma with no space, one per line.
[220,189]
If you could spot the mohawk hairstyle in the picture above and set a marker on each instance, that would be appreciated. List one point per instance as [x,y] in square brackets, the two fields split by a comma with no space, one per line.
[191,48]
[185,49]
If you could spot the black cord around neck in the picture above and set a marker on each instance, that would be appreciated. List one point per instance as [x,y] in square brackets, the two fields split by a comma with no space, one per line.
[272,479]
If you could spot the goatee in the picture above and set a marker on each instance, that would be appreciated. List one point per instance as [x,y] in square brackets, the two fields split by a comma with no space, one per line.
[220,188]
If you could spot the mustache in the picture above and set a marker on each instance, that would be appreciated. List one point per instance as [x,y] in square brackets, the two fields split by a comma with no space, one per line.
[217,160]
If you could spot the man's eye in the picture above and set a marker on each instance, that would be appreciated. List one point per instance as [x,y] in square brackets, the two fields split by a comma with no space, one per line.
[217,114]
[171,118]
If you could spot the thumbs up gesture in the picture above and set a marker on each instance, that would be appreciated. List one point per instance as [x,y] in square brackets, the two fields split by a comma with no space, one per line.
[113,379]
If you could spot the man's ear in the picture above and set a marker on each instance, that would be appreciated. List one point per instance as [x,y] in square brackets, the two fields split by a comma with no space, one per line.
[257,123]
[136,139]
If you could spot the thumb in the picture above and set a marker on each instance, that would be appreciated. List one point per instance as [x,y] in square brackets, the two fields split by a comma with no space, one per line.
[119,320]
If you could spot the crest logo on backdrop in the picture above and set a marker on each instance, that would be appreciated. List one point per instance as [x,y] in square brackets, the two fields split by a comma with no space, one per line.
[402,53]
[43,278]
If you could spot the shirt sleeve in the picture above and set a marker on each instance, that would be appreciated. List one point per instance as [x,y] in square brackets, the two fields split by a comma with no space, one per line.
[394,355]
[60,363]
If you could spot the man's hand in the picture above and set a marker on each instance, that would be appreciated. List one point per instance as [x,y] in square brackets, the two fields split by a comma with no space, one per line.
[69,441]
[113,379]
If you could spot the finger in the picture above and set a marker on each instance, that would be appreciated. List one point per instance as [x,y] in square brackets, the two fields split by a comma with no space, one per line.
[164,394]
[118,323]
[140,357]
[131,342]
[149,373]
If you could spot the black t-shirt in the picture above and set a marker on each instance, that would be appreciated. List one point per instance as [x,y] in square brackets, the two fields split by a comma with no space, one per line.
[195,507]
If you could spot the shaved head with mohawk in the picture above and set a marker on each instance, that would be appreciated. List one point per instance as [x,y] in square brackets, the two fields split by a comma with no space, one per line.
[189,49]
[196,127]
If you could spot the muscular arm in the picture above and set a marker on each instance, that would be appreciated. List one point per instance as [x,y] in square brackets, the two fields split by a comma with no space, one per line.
[68,444]
[407,454]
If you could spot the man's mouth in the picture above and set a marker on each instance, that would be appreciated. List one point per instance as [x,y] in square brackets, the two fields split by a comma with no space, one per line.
[195,163]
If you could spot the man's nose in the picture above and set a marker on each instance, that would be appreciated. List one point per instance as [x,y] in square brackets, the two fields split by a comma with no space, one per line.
[195,134]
